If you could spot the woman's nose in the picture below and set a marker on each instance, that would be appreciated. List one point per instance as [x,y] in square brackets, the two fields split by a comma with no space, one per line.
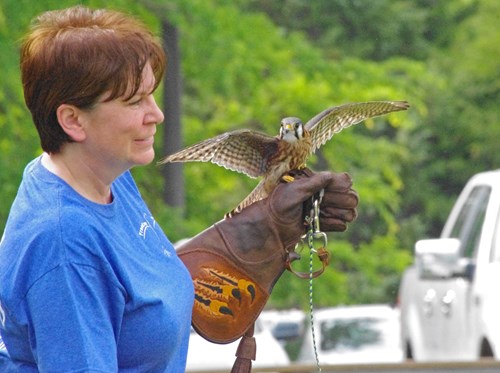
[155,113]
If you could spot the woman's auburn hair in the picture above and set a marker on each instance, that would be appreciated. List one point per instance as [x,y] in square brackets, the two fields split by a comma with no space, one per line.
[75,55]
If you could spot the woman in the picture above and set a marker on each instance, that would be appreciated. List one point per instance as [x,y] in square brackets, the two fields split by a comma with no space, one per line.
[88,280]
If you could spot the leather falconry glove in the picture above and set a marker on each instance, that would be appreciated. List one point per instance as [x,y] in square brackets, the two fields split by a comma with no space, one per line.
[235,263]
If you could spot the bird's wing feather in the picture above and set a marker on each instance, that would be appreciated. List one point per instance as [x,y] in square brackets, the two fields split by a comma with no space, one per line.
[242,151]
[333,120]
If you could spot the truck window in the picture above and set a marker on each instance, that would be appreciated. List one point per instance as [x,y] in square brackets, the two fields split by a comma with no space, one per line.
[470,220]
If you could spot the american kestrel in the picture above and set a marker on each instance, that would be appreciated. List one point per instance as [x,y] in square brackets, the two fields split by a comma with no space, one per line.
[272,157]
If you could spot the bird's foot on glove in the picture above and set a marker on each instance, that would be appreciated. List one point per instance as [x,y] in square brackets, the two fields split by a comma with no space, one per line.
[290,176]
[287,178]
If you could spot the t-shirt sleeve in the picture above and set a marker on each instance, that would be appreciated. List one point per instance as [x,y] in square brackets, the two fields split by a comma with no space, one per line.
[75,317]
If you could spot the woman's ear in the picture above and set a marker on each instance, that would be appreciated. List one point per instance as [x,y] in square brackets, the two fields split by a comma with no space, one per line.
[69,119]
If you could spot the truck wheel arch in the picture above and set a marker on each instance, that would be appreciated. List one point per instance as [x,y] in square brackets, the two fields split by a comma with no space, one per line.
[485,349]
[408,351]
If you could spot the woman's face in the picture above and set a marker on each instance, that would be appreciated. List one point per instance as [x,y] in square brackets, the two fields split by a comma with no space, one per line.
[120,134]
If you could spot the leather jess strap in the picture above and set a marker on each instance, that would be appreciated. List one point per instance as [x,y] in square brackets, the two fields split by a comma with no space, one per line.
[324,258]
[312,236]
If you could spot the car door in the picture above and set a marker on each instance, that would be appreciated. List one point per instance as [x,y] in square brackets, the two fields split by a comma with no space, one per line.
[485,299]
[457,315]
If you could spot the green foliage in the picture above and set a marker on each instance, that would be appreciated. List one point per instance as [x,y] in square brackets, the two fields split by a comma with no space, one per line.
[371,29]
[240,71]
[18,140]
[461,124]
[245,65]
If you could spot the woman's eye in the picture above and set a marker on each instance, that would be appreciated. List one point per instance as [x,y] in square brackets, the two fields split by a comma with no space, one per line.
[134,100]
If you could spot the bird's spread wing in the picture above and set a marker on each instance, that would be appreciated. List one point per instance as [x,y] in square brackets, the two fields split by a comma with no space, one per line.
[333,120]
[243,151]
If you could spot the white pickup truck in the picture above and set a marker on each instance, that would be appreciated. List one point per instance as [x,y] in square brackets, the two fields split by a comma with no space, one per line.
[450,297]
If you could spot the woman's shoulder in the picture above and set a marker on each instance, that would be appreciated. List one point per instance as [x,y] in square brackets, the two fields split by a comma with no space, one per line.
[127,183]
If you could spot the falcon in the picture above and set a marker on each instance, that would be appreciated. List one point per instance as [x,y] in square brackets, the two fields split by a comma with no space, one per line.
[272,157]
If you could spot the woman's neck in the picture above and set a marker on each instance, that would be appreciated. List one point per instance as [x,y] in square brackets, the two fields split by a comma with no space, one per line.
[80,175]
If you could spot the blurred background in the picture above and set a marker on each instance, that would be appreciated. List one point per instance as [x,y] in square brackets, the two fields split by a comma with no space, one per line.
[247,63]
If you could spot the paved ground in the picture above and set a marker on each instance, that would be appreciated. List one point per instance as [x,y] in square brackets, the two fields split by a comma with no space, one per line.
[485,366]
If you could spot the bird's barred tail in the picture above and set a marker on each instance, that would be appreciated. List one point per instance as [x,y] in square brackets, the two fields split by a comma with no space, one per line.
[255,195]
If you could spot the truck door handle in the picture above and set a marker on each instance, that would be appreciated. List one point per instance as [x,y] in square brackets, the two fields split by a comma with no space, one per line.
[446,302]
[429,297]
[477,300]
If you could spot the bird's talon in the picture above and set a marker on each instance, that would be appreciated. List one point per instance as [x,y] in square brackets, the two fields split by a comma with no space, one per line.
[287,178]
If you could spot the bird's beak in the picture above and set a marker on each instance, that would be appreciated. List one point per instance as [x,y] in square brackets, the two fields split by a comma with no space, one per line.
[289,127]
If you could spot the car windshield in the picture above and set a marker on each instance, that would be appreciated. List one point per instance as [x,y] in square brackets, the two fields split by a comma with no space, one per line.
[351,334]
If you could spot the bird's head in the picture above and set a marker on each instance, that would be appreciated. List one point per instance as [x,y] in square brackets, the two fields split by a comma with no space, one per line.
[291,129]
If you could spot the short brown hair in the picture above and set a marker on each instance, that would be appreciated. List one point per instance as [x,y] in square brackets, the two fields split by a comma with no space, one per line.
[73,56]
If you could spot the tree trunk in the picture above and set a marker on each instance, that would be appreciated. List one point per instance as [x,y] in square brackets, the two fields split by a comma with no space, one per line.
[172,131]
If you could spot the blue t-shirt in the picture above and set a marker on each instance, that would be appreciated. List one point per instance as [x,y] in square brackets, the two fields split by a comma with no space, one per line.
[6,365]
[87,287]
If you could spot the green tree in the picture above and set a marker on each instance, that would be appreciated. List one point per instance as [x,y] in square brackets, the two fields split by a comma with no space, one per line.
[462,125]
[459,119]
[371,29]
[241,70]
